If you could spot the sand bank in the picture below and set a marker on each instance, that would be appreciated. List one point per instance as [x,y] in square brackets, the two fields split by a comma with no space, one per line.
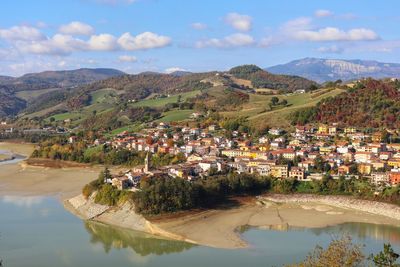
[23,179]
[219,228]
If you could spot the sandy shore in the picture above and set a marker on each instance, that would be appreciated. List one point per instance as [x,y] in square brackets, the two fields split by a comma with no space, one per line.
[218,228]
[22,179]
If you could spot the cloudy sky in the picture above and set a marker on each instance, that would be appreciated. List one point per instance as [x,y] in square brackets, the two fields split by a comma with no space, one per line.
[194,35]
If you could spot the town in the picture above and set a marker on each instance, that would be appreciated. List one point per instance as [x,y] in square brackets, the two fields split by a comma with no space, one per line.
[309,153]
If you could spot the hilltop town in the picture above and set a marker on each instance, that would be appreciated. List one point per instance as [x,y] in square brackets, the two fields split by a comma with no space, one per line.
[306,154]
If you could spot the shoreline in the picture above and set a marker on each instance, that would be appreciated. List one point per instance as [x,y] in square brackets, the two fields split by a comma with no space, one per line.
[218,228]
[221,228]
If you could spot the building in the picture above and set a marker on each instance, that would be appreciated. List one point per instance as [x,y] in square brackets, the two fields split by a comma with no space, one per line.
[380,178]
[279,171]
[394,178]
[297,173]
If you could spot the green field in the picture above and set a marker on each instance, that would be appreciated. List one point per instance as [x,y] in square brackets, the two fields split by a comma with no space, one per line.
[258,112]
[175,115]
[31,94]
[160,102]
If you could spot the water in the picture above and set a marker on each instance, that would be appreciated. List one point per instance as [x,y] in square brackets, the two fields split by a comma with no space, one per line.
[37,231]
[17,158]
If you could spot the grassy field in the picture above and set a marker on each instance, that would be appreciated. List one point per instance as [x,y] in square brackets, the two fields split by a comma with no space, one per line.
[160,102]
[175,115]
[258,112]
[30,94]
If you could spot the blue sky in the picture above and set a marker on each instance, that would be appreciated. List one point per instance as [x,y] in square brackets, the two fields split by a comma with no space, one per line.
[166,35]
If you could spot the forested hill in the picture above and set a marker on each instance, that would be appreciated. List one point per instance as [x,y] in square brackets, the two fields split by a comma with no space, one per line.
[9,104]
[260,78]
[371,103]
[57,79]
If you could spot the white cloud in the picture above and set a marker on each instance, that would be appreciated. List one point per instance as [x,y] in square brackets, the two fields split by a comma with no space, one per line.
[198,26]
[127,58]
[59,44]
[173,69]
[234,40]
[102,42]
[331,49]
[24,33]
[239,22]
[335,34]
[76,28]
[302,23]
[321,13]
[146,40]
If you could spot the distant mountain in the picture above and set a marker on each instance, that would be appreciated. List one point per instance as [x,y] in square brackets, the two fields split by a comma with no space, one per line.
[322,70]
[57,79]
[180,73]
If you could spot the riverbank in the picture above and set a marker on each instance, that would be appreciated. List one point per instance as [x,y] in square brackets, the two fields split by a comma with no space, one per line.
[26,180]
[220,227]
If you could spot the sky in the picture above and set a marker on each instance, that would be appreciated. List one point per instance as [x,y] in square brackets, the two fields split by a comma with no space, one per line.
[168,35]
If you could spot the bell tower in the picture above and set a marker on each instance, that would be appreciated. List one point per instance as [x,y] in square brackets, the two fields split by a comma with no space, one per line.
[147,163]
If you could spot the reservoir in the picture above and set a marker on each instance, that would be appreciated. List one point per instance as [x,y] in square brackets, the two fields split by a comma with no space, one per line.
[37,231]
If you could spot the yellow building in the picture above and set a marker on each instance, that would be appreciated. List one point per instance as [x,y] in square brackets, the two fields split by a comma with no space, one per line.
[279,171]
[323,129]
[350,130]
[255,154]
[395,163]
[364,168]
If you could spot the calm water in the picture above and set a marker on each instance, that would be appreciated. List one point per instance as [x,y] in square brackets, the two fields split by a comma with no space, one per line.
[37,231]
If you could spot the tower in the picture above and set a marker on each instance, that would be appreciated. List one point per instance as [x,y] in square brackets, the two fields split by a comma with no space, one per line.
[146,163]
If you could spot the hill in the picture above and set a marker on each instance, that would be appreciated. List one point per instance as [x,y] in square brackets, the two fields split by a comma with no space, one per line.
[10,104]
[370,104]
[322,70]
[38,90]
[262,79]
[58,79]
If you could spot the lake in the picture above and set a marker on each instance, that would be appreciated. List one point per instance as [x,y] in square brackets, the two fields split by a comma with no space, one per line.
[38,231]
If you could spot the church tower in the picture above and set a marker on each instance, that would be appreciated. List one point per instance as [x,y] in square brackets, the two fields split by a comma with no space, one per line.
[147,163]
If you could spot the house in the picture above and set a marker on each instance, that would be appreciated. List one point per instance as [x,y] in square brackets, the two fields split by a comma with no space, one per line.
[297,173]
[394,178]
[323,129]
[343,170]
[364,168]
[350,130]
[332,130]
[275,131]
[394,162]
[279,171]
[213,127]
[362,157]
[194,157]
[121,182]
[380,178]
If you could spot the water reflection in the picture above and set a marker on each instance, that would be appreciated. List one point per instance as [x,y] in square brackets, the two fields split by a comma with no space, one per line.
[143,244]
[23,201]
[387,233]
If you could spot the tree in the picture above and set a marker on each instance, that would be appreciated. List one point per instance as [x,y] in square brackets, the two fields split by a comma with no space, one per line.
[274,100]
[340,253]
[386,258]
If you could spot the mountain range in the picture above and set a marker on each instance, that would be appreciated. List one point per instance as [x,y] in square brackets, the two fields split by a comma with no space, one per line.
[322,70]
[57,79]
